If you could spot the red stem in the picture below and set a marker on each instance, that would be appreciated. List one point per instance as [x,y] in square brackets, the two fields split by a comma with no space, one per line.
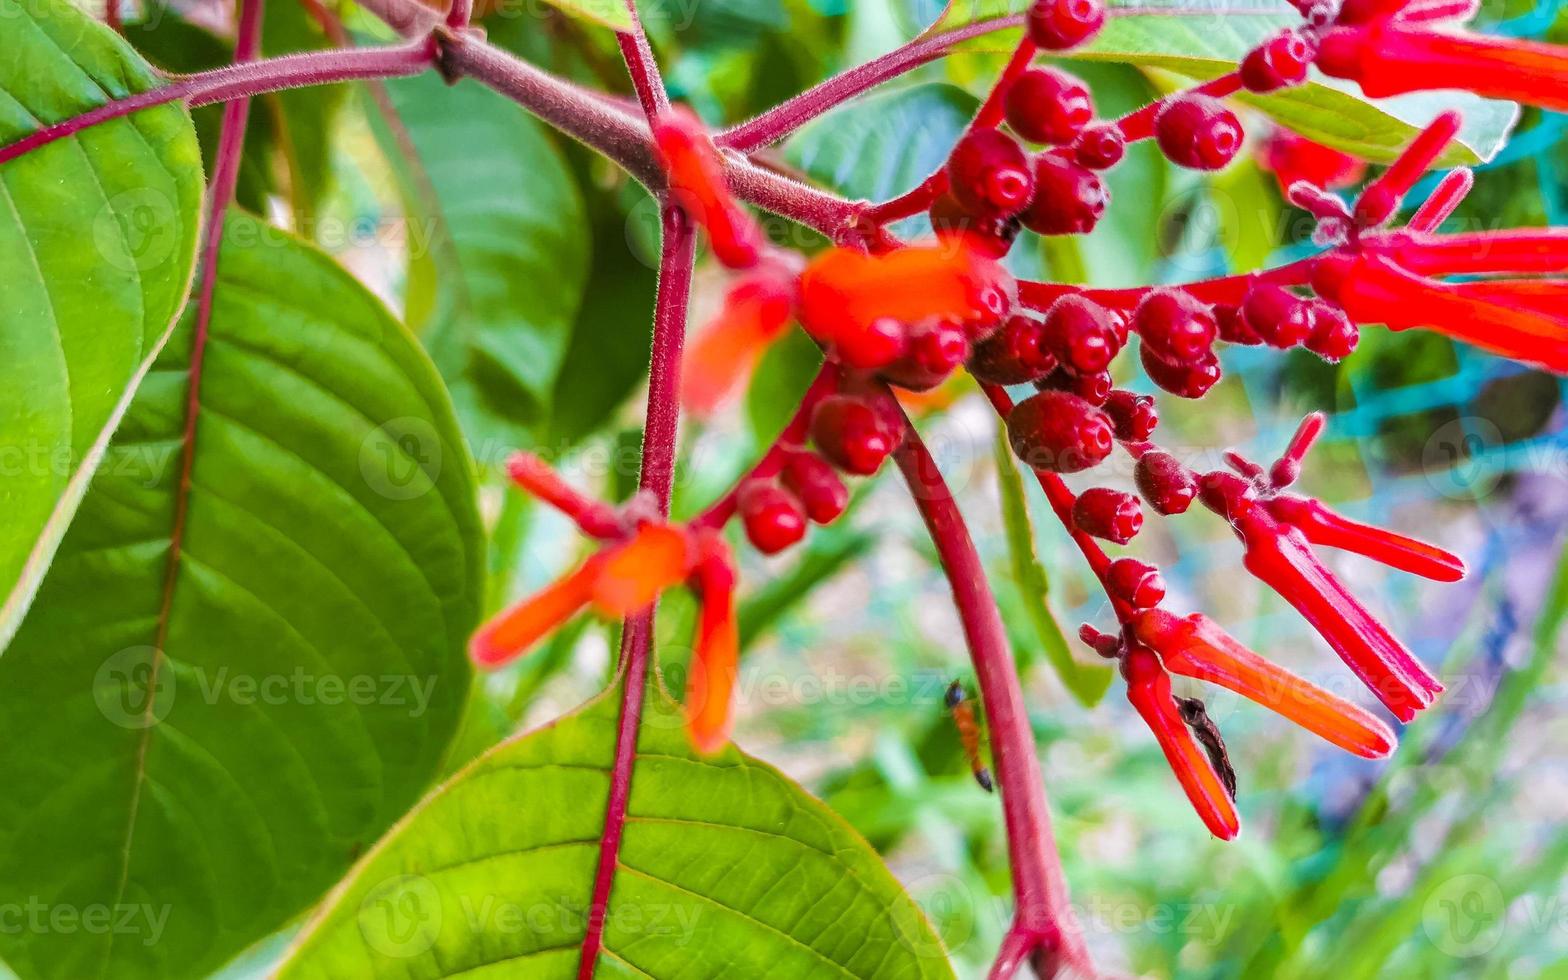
[1139,125]
[243,80]
[1043,919]
[642,66]
[459,14]
[111,15]
[657,480]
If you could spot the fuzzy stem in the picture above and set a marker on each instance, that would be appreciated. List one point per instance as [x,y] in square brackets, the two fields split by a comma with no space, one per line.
[642,66]
[240,81]
[1043,919]
[656,481]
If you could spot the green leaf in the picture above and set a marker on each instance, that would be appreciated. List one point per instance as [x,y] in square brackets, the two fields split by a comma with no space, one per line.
[502,228]
[726,869]
[1205,38]
[1087,682]
[97,241]
[881,146]
[208,714]
[606,13]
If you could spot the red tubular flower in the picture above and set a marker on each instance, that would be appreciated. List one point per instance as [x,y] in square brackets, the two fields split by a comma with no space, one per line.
[711,680]
[845,293]
[1508,318]
[620,579]
[1149,690]
[1323,526]
[1380,199]
[1386,58]
[1281,556]
[1291,158]
[697,184]
[538,478]
[1195,646]
[756,311]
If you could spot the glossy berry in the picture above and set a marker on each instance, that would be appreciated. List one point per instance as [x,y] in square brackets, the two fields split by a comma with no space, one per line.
[1333,336]
[1014,354]
[1045,105]
[1060,432]
[818,486]
[1190,380]
[1068,199]
[992,233]
[1056,25]
[1108,514]
[852,435]
[1197,132]
[1175,326]
[1280,61]
[1164,483]
[989,171]
[935,350]
[1100,147]
[1134,417]
[1277,315]
[879,344]
[1081,334]
[1233,327]
[1136,582]
[1092,388]
[774,519]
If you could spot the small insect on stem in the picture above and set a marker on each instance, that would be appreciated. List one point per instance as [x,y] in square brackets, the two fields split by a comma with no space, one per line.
[962,708]
[1208,735]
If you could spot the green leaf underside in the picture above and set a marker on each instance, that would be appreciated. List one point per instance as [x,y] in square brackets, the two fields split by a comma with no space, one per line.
[727,869]
[1201,39]
[311,670]
[606,13]
[1087,682]
[500,258]
[97,241]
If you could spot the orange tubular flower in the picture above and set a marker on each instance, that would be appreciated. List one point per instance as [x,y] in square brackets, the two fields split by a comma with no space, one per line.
[698,185]
[1387,58]
[1149,690]
[619,580]
[1196,646]
[756,310]
[845,292]
[715,653]
[1325,527]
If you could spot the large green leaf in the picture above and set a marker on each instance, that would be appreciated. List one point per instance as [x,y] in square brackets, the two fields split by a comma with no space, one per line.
[97,240]
[208,714]
[501,256]
[727,869]
[1204,38]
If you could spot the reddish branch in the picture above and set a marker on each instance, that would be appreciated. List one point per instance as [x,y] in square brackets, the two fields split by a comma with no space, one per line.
[1043,921]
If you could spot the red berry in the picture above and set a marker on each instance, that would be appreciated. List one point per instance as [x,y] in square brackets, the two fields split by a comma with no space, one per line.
[773,517]
[1014,354]
[1108,514]
[1057,25]
[1092,388]
[1058,431]
[1190,380]
[1175,326]
[1133,416]
[1081,335]
[1280,61]
[1100,147]
[879,344]
[1045,105]
[1165,484]
[1333,336]
[1068,199]
[819,488]
[992,233]
[1137,582]
[1233,327]
[936,349]
[988,170]
[1277,315]
[1197,131]
[852,435]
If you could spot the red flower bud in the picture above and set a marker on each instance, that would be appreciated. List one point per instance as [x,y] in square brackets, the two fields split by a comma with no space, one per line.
[1059,432]
[1198,132]
[1280,61]
[774,518]
[852,435]
[1135,582]
[1013,355]
[990,234]
[1046,105]
[1080,334]
[1134,416]
[1108,514]
[1165,484]
[989,172]
[1190,380]
[818,486]
[1068,199]
[1175,326]
[1100,147]
[1056,25]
